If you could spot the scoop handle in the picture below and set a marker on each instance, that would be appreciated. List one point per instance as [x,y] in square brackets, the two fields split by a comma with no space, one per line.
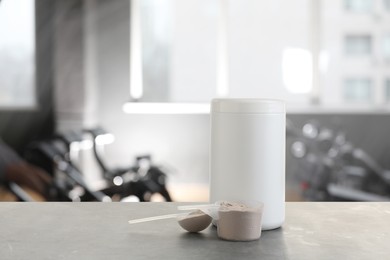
[135,221]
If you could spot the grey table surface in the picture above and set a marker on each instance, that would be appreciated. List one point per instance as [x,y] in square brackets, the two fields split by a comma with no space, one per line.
[100,231]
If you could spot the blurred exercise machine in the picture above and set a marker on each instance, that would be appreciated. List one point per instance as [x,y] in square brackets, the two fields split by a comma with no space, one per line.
[332,169]
[59,156]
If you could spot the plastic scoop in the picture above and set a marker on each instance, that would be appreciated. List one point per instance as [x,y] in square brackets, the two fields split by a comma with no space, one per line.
[194,221]
[209,209]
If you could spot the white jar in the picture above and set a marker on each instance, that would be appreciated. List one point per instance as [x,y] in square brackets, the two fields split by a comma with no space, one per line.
[247,157]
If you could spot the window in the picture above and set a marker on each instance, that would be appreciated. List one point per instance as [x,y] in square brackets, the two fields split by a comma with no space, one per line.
[358,5]
[357,90]
[195,50]
[357,44]
[178,54]
[303,57]
[17,61]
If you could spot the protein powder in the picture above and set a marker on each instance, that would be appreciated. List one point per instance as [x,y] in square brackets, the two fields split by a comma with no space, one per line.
[240,221]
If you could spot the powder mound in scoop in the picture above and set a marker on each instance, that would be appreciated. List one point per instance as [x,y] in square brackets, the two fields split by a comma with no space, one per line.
[194,222]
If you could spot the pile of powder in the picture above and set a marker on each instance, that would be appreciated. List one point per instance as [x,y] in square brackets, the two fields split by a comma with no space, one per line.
[194,222]
[239,222]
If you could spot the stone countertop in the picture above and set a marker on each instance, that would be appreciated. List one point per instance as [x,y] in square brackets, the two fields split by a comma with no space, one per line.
[313,230]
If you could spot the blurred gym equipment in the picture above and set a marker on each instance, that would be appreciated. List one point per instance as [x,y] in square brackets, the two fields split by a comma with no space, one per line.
[333,169]
[59,156]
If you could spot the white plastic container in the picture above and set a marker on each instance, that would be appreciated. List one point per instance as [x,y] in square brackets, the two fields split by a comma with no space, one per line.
[247,157]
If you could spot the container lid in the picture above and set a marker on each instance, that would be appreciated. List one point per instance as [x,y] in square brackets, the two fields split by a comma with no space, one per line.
[248,105]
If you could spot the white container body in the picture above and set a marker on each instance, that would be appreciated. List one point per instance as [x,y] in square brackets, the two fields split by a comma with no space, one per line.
[248,155]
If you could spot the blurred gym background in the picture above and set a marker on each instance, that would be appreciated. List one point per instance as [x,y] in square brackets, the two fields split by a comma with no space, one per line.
[110,98]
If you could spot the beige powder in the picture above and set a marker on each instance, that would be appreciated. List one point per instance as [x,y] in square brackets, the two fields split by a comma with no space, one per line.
[239,221]
[196,221]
